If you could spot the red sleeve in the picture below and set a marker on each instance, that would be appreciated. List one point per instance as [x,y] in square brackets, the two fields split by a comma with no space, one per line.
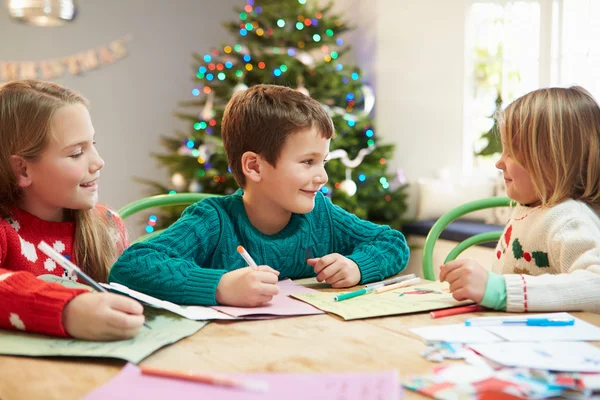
[28,303]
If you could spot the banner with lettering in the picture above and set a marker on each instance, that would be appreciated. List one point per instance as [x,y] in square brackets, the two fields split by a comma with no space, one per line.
[75,64]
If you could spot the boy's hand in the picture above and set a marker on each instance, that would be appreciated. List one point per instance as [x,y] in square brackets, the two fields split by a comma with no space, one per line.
[103,316]
[336,270]
[467,279]
[246,287]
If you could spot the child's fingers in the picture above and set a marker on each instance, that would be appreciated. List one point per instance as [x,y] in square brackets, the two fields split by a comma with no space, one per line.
[338,276]
[266,268]
[312,261]
[449,267]
[460,294]
[328,272]
[454,276]
[443,273]
[324,262]
[123,304]
[267,277]
[344,283]
[122,322]
[268,290]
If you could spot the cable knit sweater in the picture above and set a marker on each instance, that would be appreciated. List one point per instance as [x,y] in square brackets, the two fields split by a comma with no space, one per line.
[550,260]
[28,303]
[185,263]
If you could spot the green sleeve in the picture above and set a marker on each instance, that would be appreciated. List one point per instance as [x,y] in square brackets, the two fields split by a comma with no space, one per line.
[170,265]
[495,292]
[378,250]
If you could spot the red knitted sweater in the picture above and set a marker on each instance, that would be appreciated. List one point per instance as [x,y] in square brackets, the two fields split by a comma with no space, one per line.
[28,303]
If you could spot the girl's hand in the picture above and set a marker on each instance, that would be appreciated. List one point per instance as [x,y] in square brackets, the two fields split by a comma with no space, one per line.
[247,287]
[103,316]
[336,270]
[467,279]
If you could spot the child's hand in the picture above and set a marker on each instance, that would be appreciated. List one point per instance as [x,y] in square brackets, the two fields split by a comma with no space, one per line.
[467,279]
[335,269]
[246,287]
[103,316]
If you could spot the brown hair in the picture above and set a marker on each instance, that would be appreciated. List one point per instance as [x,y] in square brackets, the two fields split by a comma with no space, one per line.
[260,119]
[26,110]
[554,134]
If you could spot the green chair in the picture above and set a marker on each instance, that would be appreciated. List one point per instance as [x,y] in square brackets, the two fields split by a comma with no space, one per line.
[446,219]
[161,200]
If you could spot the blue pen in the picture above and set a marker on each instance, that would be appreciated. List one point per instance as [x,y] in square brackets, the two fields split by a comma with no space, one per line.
[495,321]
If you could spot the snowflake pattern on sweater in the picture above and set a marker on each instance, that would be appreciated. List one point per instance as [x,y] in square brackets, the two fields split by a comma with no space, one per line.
[27,303]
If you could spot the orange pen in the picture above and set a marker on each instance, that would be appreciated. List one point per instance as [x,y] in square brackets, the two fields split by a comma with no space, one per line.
[246,256]
[211,379]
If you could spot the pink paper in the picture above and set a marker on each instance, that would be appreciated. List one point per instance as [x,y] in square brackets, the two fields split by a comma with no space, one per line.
[281,304]
[130,383]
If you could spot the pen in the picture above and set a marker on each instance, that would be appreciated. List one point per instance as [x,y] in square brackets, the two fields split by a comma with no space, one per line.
[253,385]
[409,282]
[391,281]
[349,295]
[246,257]
[455,311]
[492,321]
[69,266]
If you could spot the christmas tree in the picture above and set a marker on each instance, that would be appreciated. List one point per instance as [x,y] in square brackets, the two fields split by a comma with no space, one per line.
[293,43]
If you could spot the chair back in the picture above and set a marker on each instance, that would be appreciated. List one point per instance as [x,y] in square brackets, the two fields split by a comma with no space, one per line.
[447,218]
[160,200]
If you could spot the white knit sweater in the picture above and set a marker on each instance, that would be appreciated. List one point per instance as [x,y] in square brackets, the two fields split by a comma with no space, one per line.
[550,258]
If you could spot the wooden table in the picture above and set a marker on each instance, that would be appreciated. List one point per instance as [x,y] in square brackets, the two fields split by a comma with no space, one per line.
[318,343]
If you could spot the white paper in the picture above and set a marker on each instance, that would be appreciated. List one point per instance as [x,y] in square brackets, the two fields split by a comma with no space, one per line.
[556,356]
[456,333]
[580,331]
[196,313]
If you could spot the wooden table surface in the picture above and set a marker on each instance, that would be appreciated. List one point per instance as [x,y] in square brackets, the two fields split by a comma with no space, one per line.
[318,343]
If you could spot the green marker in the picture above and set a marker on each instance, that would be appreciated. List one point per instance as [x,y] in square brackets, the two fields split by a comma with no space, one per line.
[346,296]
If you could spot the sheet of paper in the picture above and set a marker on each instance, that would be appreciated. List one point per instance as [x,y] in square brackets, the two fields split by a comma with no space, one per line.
[345,386]
[554,356]
[581,330]
[281,305]
[425,296]
[166,327]
[456,333]
[197,313]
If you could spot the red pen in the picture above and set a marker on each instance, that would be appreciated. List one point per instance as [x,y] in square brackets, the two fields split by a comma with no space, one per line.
[210,379]
[455,311]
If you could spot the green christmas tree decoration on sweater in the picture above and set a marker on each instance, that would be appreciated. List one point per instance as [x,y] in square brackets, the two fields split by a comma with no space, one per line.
[294,43]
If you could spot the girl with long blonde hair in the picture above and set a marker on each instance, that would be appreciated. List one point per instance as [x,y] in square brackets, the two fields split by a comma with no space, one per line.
[548,258]
[49,170]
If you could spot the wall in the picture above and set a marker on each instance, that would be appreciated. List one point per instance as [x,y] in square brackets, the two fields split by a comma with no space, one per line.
[132,100]
[410,50]
[420,83]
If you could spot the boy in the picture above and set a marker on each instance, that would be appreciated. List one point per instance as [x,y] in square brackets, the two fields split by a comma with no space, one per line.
[277,142]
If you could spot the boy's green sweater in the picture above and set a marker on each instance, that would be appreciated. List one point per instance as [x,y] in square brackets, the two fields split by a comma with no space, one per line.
[185,263]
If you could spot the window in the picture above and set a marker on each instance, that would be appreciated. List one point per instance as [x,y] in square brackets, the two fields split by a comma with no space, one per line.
[513,47]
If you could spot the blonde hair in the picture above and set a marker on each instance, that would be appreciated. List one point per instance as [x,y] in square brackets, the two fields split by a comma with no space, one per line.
[26,110]
[554,134]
